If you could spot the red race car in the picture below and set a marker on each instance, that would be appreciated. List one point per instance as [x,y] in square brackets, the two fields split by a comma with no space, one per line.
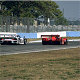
[53,39]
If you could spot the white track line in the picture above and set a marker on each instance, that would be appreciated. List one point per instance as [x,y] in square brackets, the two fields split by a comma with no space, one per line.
[43,50]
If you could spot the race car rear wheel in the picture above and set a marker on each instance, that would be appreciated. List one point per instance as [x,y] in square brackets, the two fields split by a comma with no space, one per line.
[44,42]
[60,42]
[66,42]
[2,43]
[25,41]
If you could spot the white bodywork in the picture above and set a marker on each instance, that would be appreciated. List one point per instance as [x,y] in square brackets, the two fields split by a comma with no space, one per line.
[12,38]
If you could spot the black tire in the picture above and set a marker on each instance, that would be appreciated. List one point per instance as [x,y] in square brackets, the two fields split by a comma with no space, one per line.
[66,42]
[2,43]
[25,41]
[60,42]
[50,42]
[44,42]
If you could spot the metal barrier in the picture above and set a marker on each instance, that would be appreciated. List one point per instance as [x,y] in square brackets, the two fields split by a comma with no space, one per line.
[32,25]
[61,33]
[28,35]
[73,34]
[38,35]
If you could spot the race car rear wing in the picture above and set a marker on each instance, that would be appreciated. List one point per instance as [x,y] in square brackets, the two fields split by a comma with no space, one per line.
[49,36]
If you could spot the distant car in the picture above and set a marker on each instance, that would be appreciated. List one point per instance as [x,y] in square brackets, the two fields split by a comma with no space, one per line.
[11,38]
[53,39]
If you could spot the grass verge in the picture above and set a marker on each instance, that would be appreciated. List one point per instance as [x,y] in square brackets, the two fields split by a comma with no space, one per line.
[50,65]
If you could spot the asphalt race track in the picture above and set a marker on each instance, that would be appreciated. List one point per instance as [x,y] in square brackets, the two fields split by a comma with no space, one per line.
[34,47]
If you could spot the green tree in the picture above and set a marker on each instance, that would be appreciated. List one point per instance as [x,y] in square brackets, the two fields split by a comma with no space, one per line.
[32,9]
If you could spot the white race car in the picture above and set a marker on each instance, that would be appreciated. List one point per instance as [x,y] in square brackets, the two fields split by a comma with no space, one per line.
[11,38]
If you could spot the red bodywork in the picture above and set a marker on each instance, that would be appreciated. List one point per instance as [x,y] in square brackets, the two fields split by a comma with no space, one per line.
[53,39]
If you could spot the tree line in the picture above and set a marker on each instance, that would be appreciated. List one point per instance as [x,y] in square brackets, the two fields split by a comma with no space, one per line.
[33,9]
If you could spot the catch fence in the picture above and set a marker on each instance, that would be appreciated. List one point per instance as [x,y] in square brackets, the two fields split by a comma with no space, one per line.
[31,25]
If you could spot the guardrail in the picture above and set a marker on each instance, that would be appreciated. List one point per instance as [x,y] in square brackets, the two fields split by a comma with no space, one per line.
[28,35]
[38,35]
[72,33]
[61,33]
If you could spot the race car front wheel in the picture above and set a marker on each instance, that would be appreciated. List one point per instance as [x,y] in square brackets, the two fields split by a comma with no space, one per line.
[66,42]
[25,41]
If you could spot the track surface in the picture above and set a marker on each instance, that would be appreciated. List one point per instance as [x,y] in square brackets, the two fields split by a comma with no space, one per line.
[34,47]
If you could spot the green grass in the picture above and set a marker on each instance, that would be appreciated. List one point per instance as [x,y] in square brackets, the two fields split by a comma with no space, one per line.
[73,37]
[50,65]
